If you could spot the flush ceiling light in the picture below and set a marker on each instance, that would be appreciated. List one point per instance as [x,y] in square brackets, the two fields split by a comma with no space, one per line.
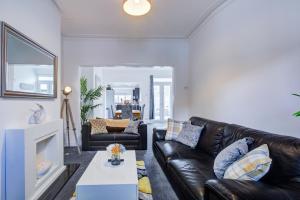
[136,7]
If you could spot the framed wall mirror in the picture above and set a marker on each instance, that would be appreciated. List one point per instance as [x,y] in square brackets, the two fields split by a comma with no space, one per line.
[27,69]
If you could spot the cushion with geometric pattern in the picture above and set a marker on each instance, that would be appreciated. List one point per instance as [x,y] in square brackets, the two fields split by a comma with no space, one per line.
[253,166]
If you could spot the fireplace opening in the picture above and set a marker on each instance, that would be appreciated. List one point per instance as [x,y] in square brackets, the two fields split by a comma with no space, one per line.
[46,157]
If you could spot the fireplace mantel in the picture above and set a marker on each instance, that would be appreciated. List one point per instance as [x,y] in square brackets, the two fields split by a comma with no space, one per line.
[41,143]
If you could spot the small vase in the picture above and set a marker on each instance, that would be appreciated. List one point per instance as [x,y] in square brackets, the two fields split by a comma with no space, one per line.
[115,159]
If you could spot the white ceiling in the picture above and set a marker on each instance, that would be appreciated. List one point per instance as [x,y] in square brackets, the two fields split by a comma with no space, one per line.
[105,18]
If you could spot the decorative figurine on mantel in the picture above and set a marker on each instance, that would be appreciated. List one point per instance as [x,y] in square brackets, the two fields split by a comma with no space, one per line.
[38,115]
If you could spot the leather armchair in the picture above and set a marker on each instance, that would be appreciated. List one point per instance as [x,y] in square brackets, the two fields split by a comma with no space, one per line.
[102,140]
[85,136]
[142,129]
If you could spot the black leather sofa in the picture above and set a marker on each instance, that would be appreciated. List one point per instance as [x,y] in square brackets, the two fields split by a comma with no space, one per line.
[190,171]
[100,141]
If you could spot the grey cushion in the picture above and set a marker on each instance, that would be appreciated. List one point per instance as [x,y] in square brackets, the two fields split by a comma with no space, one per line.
[231,154]
[132,127]
[189,135]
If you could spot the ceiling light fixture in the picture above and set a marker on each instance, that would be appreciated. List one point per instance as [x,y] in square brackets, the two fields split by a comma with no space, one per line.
[137,7]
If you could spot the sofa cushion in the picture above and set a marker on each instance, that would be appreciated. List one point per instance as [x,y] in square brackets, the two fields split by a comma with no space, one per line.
[98,126]
[284,151]
[230,154]
[173,129]
[173,150]
[117,122]
[114,137]
[211,138]
[237,189]
[253,166]
[189,135]
[133,127]
[104,143]
[170,149]
[190,175]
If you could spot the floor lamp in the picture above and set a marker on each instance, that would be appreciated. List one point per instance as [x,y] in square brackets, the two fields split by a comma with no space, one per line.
[66,108]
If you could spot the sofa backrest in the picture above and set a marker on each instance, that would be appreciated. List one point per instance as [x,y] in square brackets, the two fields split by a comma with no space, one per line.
[284,151]
[211,138]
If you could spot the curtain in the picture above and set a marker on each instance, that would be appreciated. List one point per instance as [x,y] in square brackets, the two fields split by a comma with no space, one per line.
[151,106]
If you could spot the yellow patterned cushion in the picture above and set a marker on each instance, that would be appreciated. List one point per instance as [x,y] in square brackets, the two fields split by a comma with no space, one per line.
[117,122]
[253,166]
[98,126]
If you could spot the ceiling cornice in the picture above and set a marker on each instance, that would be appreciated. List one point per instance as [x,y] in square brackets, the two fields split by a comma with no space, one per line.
[123,38]
[58,6]
[211,11]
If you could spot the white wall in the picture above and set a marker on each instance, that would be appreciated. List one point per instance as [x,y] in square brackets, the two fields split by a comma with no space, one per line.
[127,52]
[245,63]
[40,20]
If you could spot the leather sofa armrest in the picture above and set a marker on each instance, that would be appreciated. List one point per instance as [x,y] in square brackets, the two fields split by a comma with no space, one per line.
[159,134]
[214,189]
[85,136]
[227,189]
[142,129]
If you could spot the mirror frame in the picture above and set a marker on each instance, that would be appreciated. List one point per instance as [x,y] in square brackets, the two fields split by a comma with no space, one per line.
[5,29]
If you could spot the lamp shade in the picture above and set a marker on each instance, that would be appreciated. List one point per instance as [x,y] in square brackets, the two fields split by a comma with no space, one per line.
[137,7]
[67,90]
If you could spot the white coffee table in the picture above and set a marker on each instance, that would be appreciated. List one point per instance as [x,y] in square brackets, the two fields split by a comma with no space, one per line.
[101,180]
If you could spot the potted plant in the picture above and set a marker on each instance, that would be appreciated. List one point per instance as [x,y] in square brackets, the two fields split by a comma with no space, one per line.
[87,96]
[115,151]
[297,114]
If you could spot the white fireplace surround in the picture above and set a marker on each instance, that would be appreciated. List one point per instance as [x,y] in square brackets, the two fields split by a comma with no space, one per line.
[25,148]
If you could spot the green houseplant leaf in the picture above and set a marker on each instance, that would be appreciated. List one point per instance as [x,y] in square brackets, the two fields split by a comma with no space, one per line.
[297,95]
[83,87]
[296,114]
[87,96]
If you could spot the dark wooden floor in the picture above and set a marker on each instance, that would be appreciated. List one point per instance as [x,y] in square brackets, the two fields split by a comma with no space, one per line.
[161,188]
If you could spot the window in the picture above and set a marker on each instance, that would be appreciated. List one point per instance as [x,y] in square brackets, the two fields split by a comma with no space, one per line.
[162,98]
[45,78]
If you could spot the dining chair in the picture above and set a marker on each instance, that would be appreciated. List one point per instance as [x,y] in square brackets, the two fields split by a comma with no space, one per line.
[142,111]
[135,107]
[126,112]
[113,111]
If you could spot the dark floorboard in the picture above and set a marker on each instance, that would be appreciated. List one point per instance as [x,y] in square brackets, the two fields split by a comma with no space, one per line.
[161,188]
